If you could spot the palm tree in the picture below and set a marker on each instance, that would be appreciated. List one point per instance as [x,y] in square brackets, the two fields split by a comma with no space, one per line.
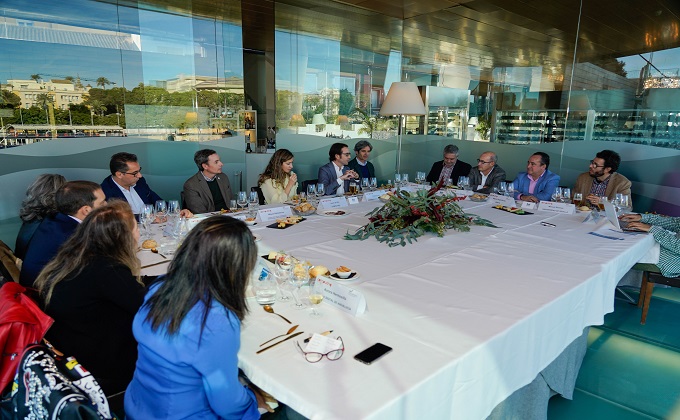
[97,107]
[103,82]
[35,77]
[44,100]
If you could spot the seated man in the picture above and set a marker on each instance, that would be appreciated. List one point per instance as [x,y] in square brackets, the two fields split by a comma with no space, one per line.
[602,178]
[127,183]
[449,168]
[335,175]
[487,174]
[75,200]
[360,163]
[208,190]
[665,231]
[537,183]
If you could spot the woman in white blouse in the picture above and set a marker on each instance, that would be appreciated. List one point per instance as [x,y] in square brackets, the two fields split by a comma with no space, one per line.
[278,181]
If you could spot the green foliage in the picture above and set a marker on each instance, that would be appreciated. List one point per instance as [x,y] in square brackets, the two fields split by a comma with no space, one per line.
[406,217]
[345,102]
[483,126]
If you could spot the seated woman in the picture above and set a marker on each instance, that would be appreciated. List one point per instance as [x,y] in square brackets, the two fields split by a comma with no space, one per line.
[189,328]
[665,230]
[92,290]
[38,204]
[278,181]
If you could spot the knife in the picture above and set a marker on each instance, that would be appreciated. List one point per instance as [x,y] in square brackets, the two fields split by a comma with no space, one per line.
[279,342]
[158,263]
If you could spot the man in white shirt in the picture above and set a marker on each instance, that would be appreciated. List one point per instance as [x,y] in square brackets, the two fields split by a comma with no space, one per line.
[487,174]
[335,175]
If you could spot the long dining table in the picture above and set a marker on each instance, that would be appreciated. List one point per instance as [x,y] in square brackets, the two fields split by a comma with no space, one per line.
[471,316]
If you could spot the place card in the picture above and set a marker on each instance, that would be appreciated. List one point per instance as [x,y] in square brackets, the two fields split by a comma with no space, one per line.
[501,200]
[374,195]
[528,205]
[353,200]
[333,203]
[553,207]
[322,344]
[271,214]
[342,297]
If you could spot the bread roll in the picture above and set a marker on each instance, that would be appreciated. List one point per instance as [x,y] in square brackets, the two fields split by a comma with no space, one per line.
[149,243]
[318,270]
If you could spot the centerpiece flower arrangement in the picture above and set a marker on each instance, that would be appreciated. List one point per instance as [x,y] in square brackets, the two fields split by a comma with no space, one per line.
[408,216]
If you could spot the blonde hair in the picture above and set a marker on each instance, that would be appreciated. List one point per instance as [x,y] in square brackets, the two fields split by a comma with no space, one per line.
[106,232]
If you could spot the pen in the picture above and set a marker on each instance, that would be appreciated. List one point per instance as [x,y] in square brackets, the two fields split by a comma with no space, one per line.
[548,224]
[323,333]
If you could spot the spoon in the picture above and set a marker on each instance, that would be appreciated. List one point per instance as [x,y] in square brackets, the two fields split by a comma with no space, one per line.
[155,251]
[293,328]
[269,309]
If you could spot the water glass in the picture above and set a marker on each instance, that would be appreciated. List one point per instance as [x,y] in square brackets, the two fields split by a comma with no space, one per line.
[253,202]
[557,194]
[510,189]
[146,217]
[566,195]
[320,190]
[315,296]
[365,183]
[299,277]
[374,183]
[265,288]
[232,206]
[161,208]
[404,179]
[420,177]
[502,188]
[397,179]
[311,190]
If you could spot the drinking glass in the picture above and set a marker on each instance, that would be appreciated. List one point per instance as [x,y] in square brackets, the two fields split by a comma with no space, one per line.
[283,269]
[161,208]
[232,206]
[404,179]
[303,197]
[146,217]
[448,182]
[364,184]
[557,194]
[420,177]
[502,188]
[253,203]
[311,191]
[578,199]
[299,278]
[320,190]
[374,183]
[173,207]
[511,189]
[625,203]
[566,195]
[603,199]
[315,296]
[242,199]
[397,179]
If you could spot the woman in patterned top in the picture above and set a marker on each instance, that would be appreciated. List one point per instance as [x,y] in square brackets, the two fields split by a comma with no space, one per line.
[665,230]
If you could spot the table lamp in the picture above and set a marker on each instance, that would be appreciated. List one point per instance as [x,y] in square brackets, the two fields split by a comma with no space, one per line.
[402,99]
[297,120]
[318,120]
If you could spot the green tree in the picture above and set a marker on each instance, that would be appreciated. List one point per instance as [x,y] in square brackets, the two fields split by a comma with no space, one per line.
[97,106]
[9,99]
[44,100]
[103,82]
[35,77]
[345,102]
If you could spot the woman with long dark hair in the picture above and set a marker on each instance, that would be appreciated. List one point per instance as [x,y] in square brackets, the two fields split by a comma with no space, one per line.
[278,181]
[189,327]
[92,290]
[38,204]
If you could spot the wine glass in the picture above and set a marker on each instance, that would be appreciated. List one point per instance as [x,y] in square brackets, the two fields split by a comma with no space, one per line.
[566,194]
[320,190]
[374,183]
[161,210]
[242,199]
[299,278]
[283,268]
[311,190]
[404,179]
[315,296]
[146,217]
[510,189]
[173,207]
[578,199]
[397,180]
[364,184]
[557,194]
[502,188]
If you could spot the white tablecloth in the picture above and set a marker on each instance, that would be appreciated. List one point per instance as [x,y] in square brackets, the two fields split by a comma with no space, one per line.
[472,316]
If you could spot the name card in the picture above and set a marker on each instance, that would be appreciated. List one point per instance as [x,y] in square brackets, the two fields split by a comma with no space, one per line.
[563,208]
[528,205]
[353,200]
[374,195]
[269,215]
[333,203]
[342,297]
[496,199]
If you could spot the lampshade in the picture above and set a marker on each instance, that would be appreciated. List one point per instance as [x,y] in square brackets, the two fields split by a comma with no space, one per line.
[342,121]
[297,120]
[403,98]
[318,119]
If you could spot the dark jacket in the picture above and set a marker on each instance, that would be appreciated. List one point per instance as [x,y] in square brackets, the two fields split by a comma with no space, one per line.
[354,165]
[93,314]
[197,195]
[329,178]
[24,237]
[460,169]
[111,190]
[50,235]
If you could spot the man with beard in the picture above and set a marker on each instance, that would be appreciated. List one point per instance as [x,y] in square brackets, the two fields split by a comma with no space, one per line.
[602,180]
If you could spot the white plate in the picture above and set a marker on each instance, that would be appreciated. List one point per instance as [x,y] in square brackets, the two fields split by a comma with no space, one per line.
[353,276]
[333,212]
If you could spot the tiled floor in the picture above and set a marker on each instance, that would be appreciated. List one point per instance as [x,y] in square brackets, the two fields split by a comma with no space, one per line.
[630,371]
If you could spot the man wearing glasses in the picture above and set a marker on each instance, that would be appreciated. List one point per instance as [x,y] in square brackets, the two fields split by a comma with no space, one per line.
[602,180]
[537,183]
[127,183]
[487,174]
[335,175]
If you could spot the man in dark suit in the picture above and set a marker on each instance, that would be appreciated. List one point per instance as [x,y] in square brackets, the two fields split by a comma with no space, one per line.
[449,168]
[335,175]
[75,200]
[127,183]
[208,190]
[360,163]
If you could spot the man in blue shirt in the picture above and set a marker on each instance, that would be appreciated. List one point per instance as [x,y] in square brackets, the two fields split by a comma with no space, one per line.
[537,183]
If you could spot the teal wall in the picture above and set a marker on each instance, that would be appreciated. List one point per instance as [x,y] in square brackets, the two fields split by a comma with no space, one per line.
[654,171]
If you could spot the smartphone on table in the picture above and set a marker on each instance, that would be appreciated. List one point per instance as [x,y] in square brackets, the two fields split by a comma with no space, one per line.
[373,353]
